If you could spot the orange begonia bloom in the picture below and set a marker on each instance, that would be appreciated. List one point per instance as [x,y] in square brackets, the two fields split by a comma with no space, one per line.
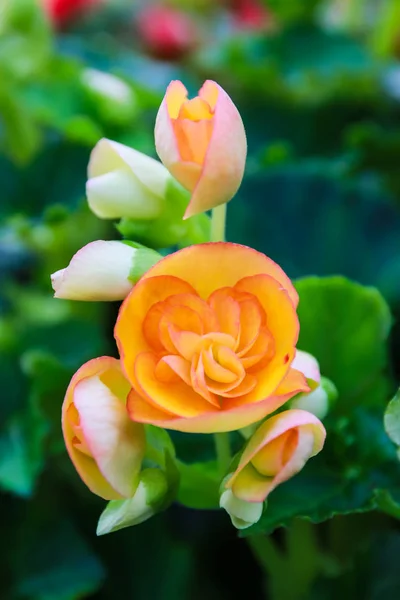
[105,446]
[207,338]
[202,142]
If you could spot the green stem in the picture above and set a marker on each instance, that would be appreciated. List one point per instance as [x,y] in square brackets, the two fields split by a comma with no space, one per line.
[266,553]
[222,445]
[223,451]
[386,29]
[218,220]
[289,574]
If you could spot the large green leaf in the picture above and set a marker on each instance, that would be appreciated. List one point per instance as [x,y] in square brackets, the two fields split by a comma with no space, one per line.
[319,493]
[346,325]
[57,564]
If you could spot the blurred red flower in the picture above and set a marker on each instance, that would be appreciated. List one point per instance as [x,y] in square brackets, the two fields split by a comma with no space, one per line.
[62,11]
[167,33]
[250,14]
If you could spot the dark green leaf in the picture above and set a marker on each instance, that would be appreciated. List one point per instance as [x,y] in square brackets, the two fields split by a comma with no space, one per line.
[22,452]
[319,493]
[58,565]
[346,325]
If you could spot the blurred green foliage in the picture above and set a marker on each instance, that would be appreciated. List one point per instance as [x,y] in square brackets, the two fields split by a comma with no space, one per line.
[321,106]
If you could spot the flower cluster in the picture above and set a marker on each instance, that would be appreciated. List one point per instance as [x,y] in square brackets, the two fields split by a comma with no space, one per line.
[206,335]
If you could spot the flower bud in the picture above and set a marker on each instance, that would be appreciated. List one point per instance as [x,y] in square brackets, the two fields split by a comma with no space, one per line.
[105,446]
[157,488]
[123,182]
[318,400]
[278,450]
[243,514]
[309,366]
[251,15]
[147,501]
[166,33]
[103,270]
[202,142]
[323,392]
[63,11]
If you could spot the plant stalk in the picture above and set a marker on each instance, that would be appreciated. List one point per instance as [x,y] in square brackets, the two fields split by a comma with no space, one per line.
[222,445]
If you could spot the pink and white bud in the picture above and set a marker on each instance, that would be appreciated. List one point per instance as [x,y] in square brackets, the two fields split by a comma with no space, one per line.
[278,450]
[102,270]
[124,183]
[105,446]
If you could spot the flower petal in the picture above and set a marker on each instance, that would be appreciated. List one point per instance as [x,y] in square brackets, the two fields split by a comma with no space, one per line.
[310,442]
[116,443]
[108,156]
[251,486]
[94,402]
[177,399]
[142,411]
[129,333]
[225,158]
[243,514]
[166,145]
[218,265]
[98,271]
[293,383]
[307,364]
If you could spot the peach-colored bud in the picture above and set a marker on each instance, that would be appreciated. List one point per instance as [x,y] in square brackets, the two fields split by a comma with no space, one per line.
[202,142]
[105,446]
[278,450]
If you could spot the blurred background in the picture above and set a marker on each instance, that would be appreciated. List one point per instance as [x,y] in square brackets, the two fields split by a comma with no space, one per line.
[318,85]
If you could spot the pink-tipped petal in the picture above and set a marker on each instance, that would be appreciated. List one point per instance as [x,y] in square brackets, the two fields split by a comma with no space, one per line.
[115,442]
[99,403]
[166,144]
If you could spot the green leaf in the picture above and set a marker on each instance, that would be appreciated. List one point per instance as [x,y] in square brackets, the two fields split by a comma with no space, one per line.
[199,485]
[22,452]
[49,381]
[57,564]
[392,419]
[346,326]
[319,493]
